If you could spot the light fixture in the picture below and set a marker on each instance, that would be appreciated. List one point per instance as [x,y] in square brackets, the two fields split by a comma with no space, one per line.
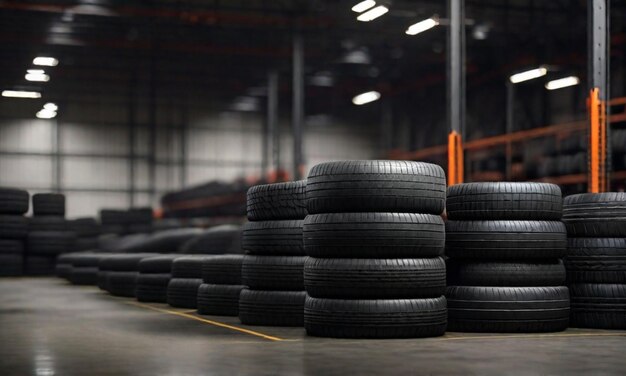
[562,82]
[46,114]
[373,13]
[363,6]
[37,77]
[367,97]
[528,75]
[35,71]
[45,61]
[21,94]
[422,26]
[50,106]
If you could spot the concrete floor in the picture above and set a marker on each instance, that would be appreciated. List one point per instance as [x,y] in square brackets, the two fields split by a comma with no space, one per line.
[48,327]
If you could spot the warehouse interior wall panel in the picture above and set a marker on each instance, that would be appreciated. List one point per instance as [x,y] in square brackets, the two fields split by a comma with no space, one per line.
[109,139]
[79,204]
[26,135]
[92,173]
[26,171]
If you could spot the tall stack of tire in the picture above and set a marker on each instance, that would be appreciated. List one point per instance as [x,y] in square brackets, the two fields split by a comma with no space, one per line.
[121,272]
[139,221]
[272,268]
[182,289]
[87,230]
[48,234]
[154,276]
[221,287]
[505,241]
[375,239]
[596,259]
[13,229]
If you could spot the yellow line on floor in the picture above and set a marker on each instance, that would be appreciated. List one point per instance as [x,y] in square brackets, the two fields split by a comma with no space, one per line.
[536,336]
[211,322]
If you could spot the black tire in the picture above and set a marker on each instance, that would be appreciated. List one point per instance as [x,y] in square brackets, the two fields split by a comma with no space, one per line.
[277,201]
[152,287]
[271,308]
[102,279]
[47,223]
[188,266]
[13,227]
[140,216]
[158,264]
[11,246]
[391,318]
[220,300]
[222,270]
[598,215]
[86,244]
[273,238]
[507,309]
[374,235]
[49,243]
[596,260]
[274,273]
[506,240]
[13,201]
[11,265]
[123,262]
[503,200]
[375,278]
[224,239]
[512,274]
[49,204]
[121,283]
[83,275]
[85,227]
[376,186]
[86,259]
[599,306]
[63,270]
[183,292]
[39,265]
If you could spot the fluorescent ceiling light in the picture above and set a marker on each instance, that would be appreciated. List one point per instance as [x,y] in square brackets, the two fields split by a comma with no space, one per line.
[562,82]
[50,107]
[364,98]
[45,61]
[35,71]
[422,26]
[528,75]
[21,94]
[363,6]
[37,77]
[373,13]
[46,114]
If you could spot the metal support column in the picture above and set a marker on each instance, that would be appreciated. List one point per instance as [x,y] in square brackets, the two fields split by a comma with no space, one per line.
[183,143]
[510,113]
[152,119]
[271,144]
[132,137]
[455,64]
[298,106]
[56,149]
[598,75]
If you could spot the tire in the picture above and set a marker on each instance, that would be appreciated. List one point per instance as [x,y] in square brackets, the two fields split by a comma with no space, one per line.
[391,318]
[113,217]
[86,244]
[273,273]
[85,227]
[374,235]
[503,200]
[13,201]
[271,308]
[596,260]
[224,239]
[507,309]
[188,266]
[49,243]
[152,287]
[376,186]
[102,279]
[49,204]
[219,300]
[11,246]
[273,238]
[121,283]
[277,201]
[13,227]
[11,265]
[511,274]
[505,240]
[598,215]
[47,223]
[123,262]
[63,270]
[599,306]
[39,265]
[86,259]
[222,270]
[375,278]
[158,264]
[83,275]
[183,292]
[140,216]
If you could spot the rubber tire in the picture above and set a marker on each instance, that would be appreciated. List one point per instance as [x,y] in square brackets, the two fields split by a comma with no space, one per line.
[47,223]
[11,246]
[86,244]
[121,283]
[390,318]
[83,275]
[48,204]
[596,260]
[86,227]
[188,266]
[272,308]
[374,235]
[219,300]
[512,274]
[152,287]
[273,238]
[376,186]
[276,201]
[274,273]
[222,270]
[597,215]
[49,243]
[158,264]
[506,240]
[13,201]
[13,227]
[39,265]
[183,292]
[599,306]
[375,278]
[11,265]
[86,259]
[508,309]
[504,200]
[128,262]
[224,239]
[62,270]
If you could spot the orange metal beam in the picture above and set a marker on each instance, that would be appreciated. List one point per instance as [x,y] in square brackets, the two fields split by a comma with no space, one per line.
[597,143]
[455,159]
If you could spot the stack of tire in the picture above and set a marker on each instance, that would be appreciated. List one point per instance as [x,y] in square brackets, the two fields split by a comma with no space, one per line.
[375,239]
[13,229]
[48,235]
[87,230]
[223,239]
[505,241]
[596,259]
[84,268]
[113,221]
[272,268]
[139,221]
[221,287]
[154,276]
[182,289]
[121,272]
